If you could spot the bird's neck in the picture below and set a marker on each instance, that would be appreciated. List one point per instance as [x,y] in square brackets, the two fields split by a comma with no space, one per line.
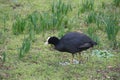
[55,43]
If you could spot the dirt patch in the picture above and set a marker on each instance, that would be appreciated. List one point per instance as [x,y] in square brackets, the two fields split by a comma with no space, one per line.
[110,73]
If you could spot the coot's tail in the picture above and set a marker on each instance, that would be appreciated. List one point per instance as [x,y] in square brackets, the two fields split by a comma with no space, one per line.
[94,43]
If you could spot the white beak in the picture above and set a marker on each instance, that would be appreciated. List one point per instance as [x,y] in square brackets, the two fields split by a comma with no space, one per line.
[46,43]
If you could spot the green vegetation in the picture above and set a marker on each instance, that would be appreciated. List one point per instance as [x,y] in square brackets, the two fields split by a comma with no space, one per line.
[25,26]
[2,37]
[4,56]
[19,25]
[25,47]
[116,2]
[102,53]
[91,18]
[91,31]
[87,5]
[111,30]
[34,20]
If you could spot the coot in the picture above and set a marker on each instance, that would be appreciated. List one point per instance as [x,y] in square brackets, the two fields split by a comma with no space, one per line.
[72,42]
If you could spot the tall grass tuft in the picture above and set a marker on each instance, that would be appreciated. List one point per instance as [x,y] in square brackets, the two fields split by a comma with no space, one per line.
[111,29]
[60,10]
[4,21]
[45,21]
[103,5]
[18,26]
[116,2]
[31,33]
[99,21]
[60,7]
[4,56]
[25,47]
[91,32]
[2,37]
[34,19]
[91,18]
[3,31]
[87,5]
[56,18]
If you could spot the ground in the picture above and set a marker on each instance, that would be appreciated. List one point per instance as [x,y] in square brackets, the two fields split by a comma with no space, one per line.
[44,63]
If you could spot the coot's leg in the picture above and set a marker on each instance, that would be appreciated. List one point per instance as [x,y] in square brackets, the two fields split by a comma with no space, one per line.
[72,58]
[80,58]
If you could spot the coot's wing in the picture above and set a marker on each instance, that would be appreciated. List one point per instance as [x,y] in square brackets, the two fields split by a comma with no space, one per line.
[75,38]
[85,46]
[74,42]
[71,42]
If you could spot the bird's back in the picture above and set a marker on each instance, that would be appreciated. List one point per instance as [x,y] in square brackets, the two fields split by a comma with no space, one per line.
[74,42]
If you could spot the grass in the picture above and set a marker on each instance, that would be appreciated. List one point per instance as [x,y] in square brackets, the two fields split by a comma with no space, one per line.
[19,25]
[91,18]
[111,28]
[87,5]
[25,47]
[91,31]
[2,37]
[34,20]
[40,62]
[116,2]
[4,56]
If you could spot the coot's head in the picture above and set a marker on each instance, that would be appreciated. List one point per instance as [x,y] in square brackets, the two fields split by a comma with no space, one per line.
[52,40]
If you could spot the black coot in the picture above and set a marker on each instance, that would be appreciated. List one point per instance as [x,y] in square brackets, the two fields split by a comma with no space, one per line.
[72,42]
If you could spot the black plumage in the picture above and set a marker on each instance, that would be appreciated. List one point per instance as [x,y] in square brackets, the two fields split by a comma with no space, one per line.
[72,42]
